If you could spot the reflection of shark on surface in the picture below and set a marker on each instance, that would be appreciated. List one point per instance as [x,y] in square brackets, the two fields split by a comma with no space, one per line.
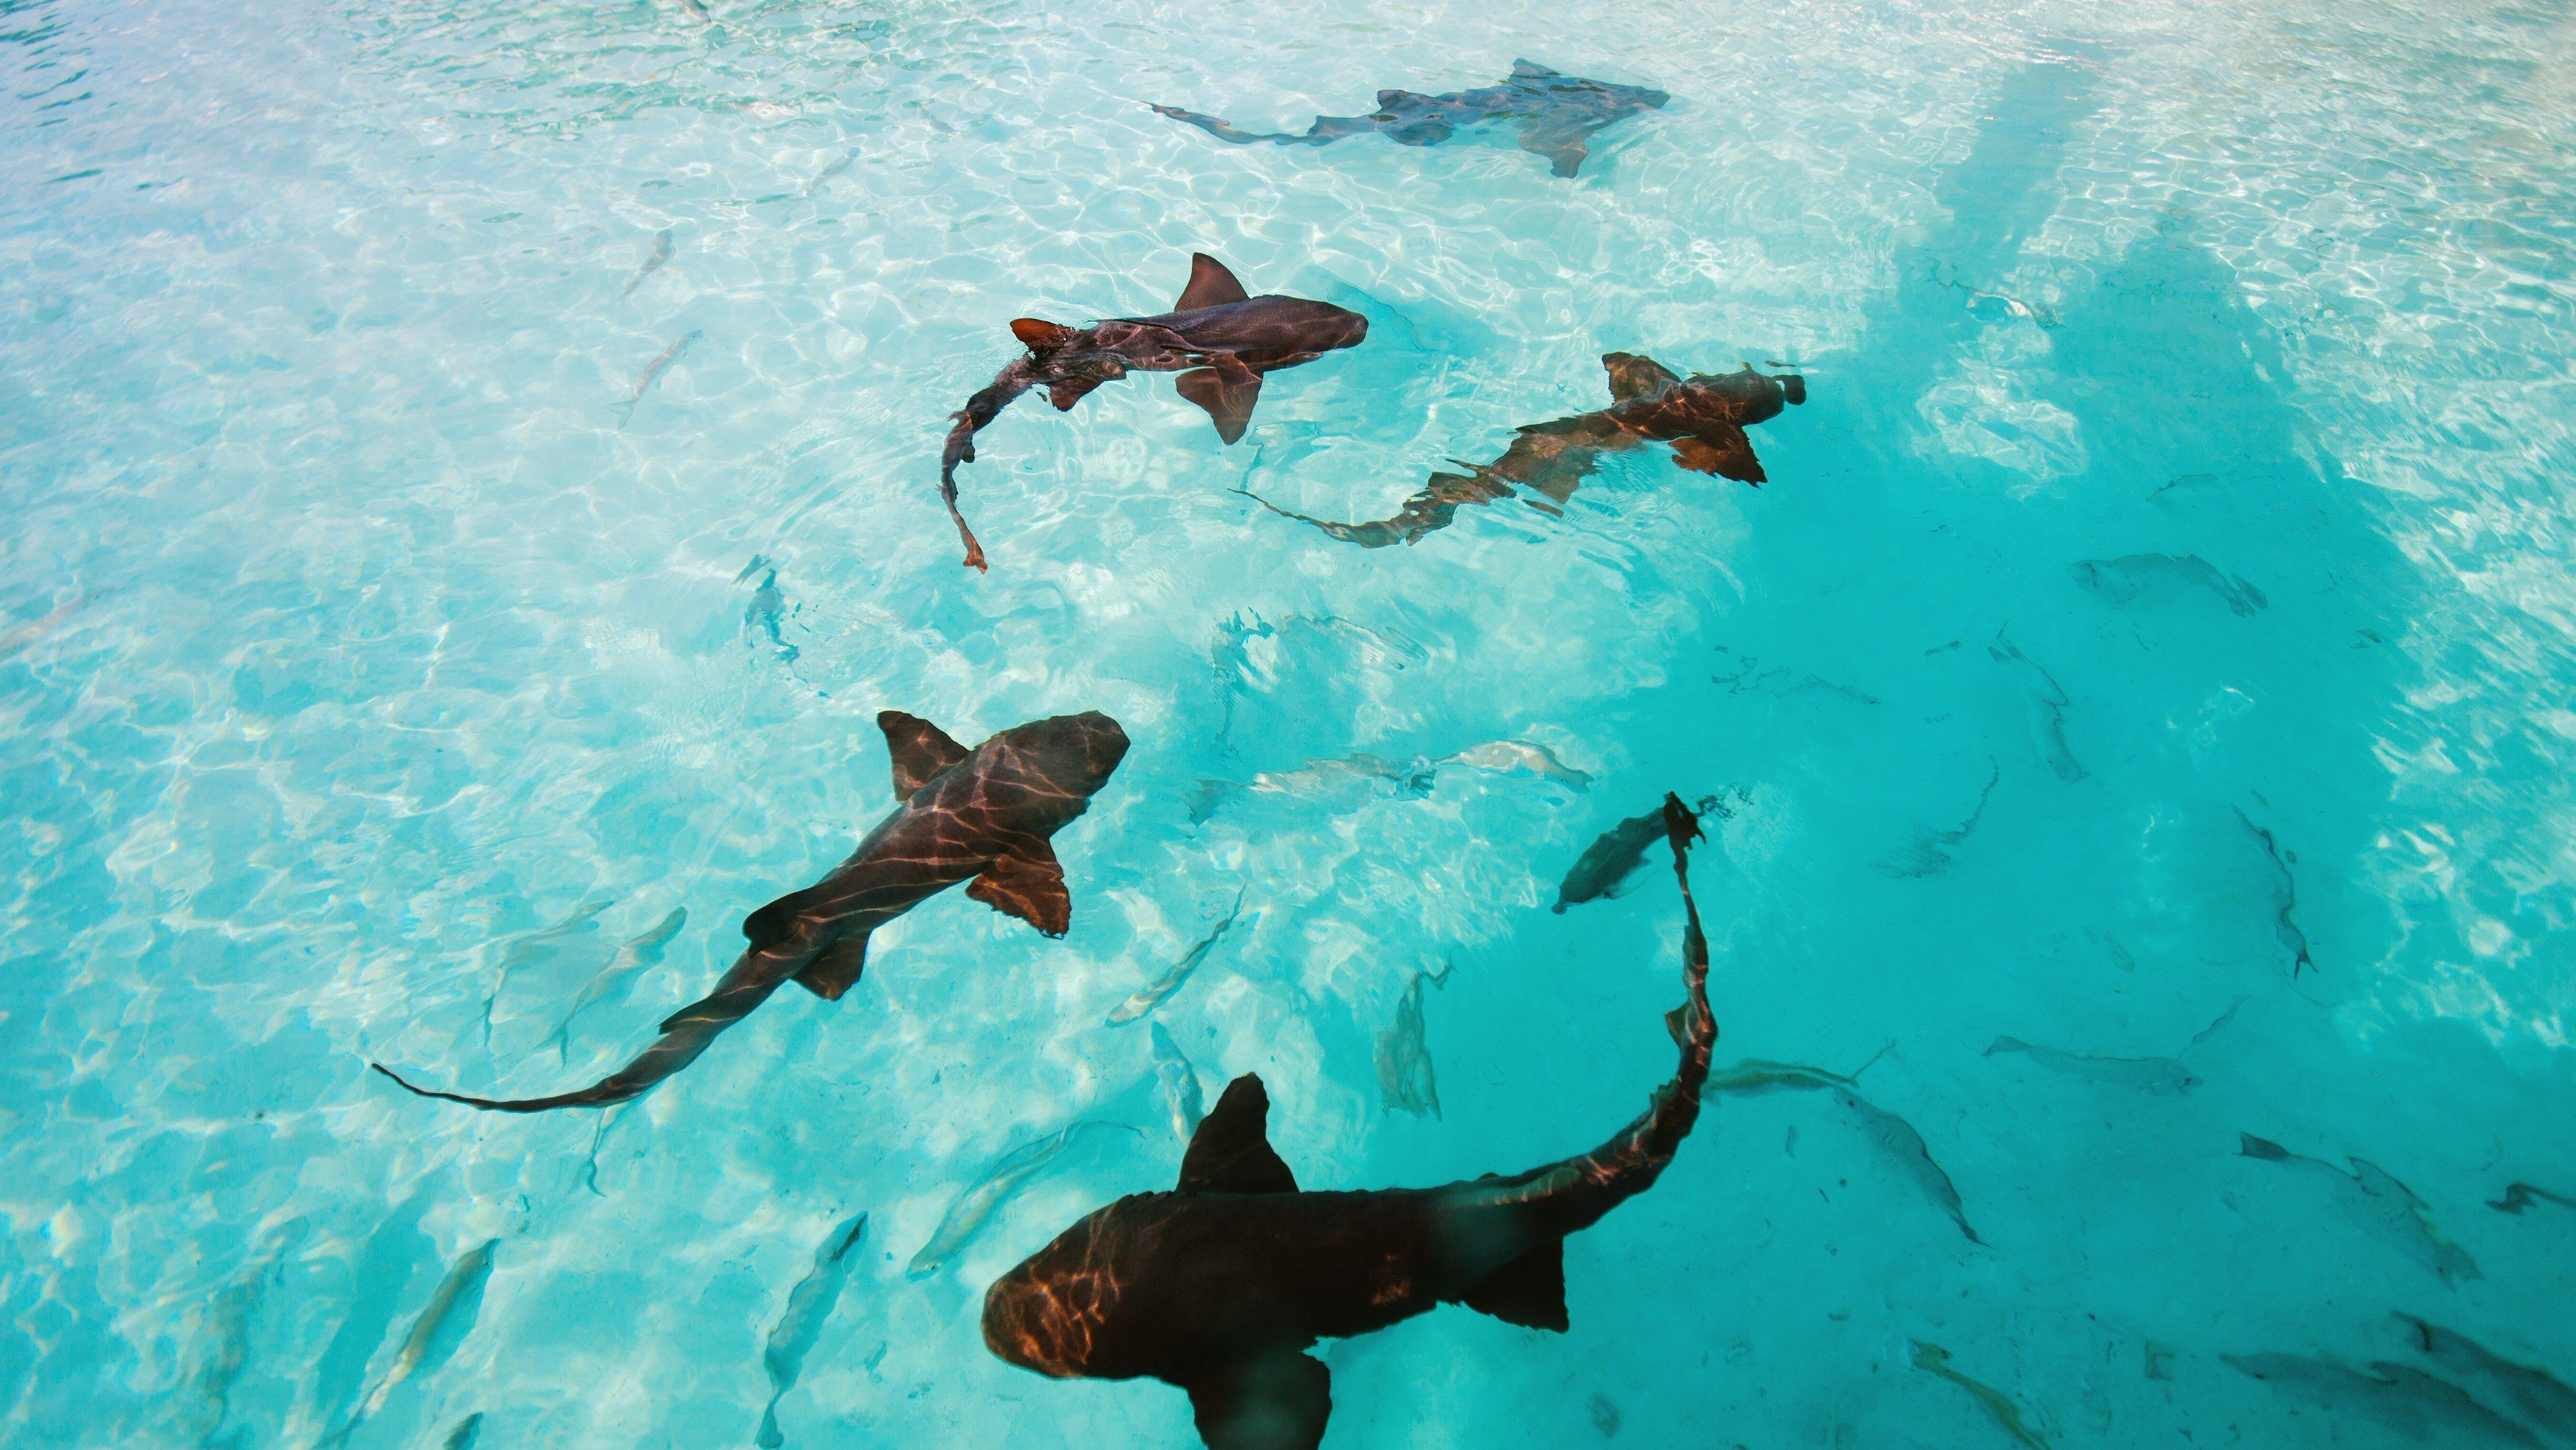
[2134,577]
[2432,1411]
[1221,1284]
[2537,1396]
[1219,338]
[983,816]
[1558,114]
[1929,850]
[2370,1197]
[1702,417]
[2047,703]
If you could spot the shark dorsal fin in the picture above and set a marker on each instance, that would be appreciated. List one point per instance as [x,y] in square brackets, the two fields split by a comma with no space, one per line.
[920,749]
[1231,1153]
[1633,376]
[1530,70]
[1211,285]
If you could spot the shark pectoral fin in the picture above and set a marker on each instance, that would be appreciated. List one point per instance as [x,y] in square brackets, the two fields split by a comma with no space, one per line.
[1634,376]
[1069,392]
[1528,1291]
[920,750]
[1211,285]
[1565,153]
[1276,1401]
[1231,1152]
[1029,887]
[1039,335]
[1723,450]
[1227,392]
[836,968]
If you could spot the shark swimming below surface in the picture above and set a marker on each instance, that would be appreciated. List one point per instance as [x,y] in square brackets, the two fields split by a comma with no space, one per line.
[1703,418]
[1557,114]
[982,816]
[1218,337]
[1220,1285]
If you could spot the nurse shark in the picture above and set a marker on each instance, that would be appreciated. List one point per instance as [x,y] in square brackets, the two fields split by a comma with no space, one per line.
[1220,1285]
[1219,338]
[1557,114]
[982,816]
[1703,417]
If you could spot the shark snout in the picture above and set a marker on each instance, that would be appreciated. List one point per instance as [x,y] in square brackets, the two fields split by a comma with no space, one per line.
[1080,751]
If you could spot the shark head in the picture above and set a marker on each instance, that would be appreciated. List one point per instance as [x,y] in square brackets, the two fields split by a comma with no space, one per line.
[1072,755]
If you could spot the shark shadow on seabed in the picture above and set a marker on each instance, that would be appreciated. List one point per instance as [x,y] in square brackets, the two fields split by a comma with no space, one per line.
[1703,418]
[1558,115]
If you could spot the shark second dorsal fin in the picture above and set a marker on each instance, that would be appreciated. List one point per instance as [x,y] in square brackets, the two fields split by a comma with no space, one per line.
[920,749]
[1029,886]
[1528,1291]
[1633,376]
[1231,1152]
[1211,285]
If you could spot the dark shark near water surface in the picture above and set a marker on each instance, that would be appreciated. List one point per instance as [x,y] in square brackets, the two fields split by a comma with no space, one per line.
[982,816]
[1558,114]
[1703,417]
[1220,1285]
[1219,338]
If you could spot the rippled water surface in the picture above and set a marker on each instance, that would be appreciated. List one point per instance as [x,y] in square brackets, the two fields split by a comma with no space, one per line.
[2159,611]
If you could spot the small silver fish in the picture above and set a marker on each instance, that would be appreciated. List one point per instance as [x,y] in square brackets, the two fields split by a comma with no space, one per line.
[542,945]
[2533,1393]
[1404,1077]
[2428,1410]
[633,959]
[800,1324]
[968,1214]
[653,370]
[2047,704]
[828,172]
[1344,783]
[1502,756]
[36,629]
[2163,1075]
[1180,1083]
[2131,578]
[467,1432]
[653,261]
[225,1336]
[1153,994]
[1897,1141]
[443,1324]
[2376,1201]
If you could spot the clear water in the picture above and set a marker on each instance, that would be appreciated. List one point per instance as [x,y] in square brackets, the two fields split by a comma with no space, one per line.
[356,660]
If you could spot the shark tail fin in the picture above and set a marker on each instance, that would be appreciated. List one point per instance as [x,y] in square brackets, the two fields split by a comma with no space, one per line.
[1528,1291]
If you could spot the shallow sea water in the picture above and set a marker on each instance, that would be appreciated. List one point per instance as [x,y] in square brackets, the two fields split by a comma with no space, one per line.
[365,687]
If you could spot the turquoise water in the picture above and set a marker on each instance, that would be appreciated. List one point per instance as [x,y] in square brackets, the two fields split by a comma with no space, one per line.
[367,688]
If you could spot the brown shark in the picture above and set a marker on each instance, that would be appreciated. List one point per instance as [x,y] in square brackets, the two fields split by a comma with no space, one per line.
[982,816]
[1703,417]
[1219,338]
[1221,1285]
